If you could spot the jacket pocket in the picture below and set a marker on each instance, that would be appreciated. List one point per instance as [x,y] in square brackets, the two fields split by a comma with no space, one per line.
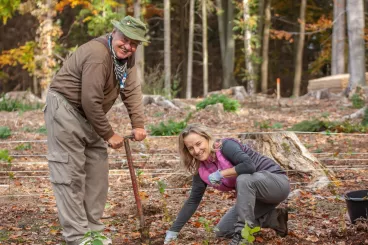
[59,168]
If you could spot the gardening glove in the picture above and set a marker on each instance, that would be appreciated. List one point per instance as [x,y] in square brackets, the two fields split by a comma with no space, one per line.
[170,236]
[215,178]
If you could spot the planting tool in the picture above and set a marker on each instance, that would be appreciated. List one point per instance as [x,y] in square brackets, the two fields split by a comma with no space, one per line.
[144,230]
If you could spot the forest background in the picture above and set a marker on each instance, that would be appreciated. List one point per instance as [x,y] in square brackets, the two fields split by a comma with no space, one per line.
[195,46]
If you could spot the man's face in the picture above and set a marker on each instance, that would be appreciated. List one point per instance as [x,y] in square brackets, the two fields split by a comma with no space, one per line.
[123,46]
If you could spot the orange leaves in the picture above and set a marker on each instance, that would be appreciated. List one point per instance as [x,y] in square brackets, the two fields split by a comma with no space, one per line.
[280,34]
[322,24]
[72,3]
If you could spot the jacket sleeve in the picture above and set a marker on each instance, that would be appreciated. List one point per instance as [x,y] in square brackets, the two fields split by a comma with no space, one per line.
[234,153]
[191,205]
[132,98]
[92,96]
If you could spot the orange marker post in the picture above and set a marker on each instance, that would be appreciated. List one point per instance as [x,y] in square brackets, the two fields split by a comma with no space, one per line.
[278,88]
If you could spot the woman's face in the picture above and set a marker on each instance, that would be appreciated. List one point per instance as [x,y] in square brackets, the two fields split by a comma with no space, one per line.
[198,146]
[123,46]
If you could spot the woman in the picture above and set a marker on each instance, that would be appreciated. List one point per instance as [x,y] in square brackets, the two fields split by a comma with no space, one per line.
[227,165]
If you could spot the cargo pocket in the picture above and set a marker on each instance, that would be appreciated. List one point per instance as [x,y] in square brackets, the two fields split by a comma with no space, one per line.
[59,168]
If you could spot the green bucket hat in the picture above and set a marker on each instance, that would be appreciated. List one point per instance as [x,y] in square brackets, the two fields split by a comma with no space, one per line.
[132,28]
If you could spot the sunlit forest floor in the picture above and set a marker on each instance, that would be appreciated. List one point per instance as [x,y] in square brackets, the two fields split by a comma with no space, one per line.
[28,214]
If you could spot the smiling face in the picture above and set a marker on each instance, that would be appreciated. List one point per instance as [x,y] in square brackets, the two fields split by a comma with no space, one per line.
[123,46]
[198,146]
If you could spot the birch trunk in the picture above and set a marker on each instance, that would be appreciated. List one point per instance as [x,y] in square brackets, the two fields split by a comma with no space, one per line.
[248,49]
[47,64]
[204,48]
[139,54]
[338,39]
[190,50]
[355,23]
[167,51]
[299,52]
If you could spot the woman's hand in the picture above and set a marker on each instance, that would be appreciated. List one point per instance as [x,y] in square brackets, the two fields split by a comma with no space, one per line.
[215,178]
[170,236]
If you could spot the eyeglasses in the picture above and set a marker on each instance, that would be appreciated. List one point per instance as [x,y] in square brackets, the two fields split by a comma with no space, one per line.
[134,44]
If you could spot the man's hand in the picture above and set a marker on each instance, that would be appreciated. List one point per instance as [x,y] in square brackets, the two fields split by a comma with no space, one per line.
[115,142]
[139,134]
[215,178]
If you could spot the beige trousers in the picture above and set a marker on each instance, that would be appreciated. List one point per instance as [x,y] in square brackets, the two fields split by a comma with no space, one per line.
[78,167]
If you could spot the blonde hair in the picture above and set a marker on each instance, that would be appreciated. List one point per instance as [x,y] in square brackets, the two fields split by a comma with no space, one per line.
[189,162]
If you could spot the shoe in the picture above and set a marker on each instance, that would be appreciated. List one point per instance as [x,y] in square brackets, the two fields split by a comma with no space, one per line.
[282,219]
[237,239]
[88,241]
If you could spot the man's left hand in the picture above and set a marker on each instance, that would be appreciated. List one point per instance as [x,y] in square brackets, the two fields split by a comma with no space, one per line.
[139,134]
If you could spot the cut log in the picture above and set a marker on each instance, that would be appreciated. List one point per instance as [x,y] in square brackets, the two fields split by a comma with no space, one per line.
[335,83]
[287,150]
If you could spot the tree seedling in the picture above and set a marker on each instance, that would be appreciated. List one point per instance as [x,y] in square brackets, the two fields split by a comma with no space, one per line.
[248,233]
[208,227]
[96,238]
[161,188]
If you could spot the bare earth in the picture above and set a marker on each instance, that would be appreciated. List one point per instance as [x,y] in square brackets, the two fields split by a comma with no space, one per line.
[27,208]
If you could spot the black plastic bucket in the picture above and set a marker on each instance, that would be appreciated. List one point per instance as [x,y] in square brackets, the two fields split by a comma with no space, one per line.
[357,203]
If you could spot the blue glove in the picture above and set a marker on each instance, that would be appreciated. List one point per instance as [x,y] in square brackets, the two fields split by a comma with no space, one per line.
[170,236]
[215,178]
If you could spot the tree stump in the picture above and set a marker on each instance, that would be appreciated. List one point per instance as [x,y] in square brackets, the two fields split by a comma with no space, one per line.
[287,150]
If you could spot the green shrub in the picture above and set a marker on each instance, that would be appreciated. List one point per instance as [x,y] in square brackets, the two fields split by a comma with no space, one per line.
[5,132]
[229,104]
[310,126]
[4,156]
[329,126]
[22,147]
[14,105]
[169,128]
[41,130]
[357,101]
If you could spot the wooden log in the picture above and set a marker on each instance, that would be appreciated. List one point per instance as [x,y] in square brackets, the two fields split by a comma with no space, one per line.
[288,151]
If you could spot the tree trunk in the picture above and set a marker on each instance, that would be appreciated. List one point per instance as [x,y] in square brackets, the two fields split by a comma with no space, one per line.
[205,49]
[167,51]
[190,50]
[287,150]
[221,27]
[355,22]
[338,39]
[248,49]
[260,24]
[299,52]
[265,46]
[139,54]
[48,61]
[230,46]
[183,46]
[225,17]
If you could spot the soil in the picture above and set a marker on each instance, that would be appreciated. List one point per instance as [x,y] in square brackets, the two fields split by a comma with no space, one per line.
[28,214]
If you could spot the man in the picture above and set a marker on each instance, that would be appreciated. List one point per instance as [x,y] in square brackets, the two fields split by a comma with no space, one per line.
[80,95]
